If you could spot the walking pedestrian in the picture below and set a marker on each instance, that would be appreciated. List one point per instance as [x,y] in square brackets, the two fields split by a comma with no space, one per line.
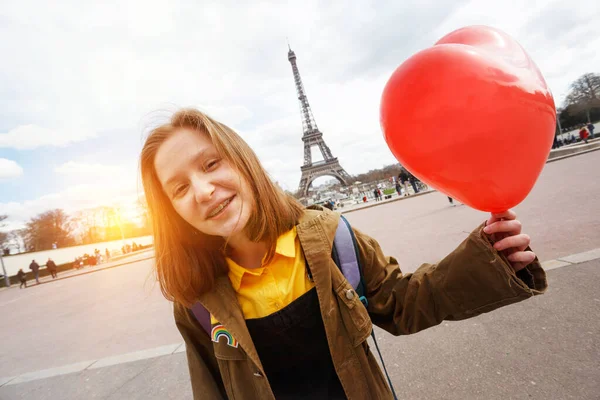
[274,316]
[398,188]
[21,275]
[52,268]
[591,128]
[403,178]
[584,134]
[35,267]
[376,194]
[413,182]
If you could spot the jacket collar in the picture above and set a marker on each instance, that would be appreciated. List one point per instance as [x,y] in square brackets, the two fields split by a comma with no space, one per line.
[316,231]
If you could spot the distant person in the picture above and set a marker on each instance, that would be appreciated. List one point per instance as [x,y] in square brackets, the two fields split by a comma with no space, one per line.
[403,178]
[21,276]
[413,182]
[591,128]
[398,188]
[52,268]
[35,267]
[107,255]
[376,194]
[584,134]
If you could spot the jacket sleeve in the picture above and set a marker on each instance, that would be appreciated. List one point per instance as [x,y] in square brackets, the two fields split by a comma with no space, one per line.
[204,370]
[471,280]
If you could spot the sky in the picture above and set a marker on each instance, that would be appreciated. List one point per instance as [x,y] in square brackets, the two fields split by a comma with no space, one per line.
[82,84]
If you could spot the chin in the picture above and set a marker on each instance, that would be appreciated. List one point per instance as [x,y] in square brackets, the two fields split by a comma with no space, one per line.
[235,226]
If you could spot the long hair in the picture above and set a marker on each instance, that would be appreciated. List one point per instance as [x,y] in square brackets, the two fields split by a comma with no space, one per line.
[188,261]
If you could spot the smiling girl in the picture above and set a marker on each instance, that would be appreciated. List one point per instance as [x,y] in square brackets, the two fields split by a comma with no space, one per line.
[285,322]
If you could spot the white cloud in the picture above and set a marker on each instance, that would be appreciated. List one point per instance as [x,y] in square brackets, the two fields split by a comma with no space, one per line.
[119,192]
[234,115]
[9,169]
[84,170]
[26,137]
[110,66]
[88,186]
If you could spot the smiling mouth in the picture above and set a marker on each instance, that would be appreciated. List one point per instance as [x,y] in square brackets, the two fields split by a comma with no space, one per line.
[219,209]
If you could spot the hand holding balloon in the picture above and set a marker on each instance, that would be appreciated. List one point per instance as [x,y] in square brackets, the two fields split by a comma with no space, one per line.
[505,230]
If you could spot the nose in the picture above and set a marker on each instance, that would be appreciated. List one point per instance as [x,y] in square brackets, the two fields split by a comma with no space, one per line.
[203,189]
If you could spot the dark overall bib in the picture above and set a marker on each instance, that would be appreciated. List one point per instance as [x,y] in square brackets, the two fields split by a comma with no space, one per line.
[293,349]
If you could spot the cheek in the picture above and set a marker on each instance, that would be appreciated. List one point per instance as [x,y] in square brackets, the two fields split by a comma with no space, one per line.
[182,208]
[248,197]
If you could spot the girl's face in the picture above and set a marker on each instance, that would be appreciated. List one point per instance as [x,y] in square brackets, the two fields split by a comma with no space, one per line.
[203,187]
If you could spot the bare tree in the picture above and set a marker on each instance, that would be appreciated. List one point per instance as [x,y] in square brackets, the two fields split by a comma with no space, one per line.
[90,225]
[15,239]
[47,229]
[584,94]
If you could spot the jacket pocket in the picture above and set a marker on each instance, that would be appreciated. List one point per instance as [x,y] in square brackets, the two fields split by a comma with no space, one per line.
[236,372]
[223,351]
[354,314]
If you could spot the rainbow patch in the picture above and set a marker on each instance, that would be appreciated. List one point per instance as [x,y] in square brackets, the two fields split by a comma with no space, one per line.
[219,331]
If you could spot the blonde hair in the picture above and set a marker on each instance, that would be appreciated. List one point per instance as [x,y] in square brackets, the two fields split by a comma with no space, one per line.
[188,261]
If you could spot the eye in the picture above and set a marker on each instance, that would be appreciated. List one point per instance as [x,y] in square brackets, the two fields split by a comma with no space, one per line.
[179,190]
[212,164]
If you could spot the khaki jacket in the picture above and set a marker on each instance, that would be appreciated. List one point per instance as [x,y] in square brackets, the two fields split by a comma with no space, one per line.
[472,280]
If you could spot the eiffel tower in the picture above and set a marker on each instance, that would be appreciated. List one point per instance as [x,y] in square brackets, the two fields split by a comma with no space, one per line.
[312,136]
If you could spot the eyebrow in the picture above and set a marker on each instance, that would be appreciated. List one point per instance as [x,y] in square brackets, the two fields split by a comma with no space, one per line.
[194,160]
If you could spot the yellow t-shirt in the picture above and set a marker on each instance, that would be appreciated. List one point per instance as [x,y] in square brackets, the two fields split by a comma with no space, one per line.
[265,290]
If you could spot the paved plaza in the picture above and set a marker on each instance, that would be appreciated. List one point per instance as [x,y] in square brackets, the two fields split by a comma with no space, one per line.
[114,332]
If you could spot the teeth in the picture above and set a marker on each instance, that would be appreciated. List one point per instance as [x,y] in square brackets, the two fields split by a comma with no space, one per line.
[219,208]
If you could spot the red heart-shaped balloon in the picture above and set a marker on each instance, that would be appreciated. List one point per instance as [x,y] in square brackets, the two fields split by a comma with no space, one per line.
[471,116]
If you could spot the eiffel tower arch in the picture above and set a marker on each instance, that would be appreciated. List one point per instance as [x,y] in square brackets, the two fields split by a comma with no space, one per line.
[313,137]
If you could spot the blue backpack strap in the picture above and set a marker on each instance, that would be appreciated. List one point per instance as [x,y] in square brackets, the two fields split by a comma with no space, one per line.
[203,317]
[345,256]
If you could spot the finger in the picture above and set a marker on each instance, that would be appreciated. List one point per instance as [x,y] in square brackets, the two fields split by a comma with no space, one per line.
[513,241]
[510,226]
[517,266]
[506,215]
[523,257]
